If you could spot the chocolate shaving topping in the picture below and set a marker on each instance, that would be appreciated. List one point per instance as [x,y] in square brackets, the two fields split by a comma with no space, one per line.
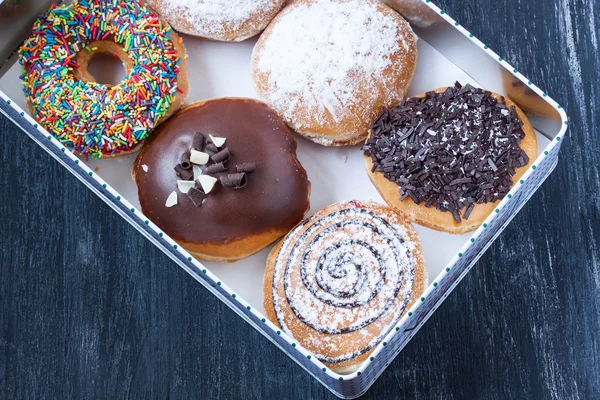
[450,150]
[221,156]
[234,181]
[212,148]
[185,160]
[197,196]
[214,168]
[183,173]
[198,141]
[468,211]
[245,167]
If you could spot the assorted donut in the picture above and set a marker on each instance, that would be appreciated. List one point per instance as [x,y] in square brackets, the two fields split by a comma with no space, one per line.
[222,177]
[327,67]
[222,191]
[94,119]
[222,20]
[447,157]
[342,278]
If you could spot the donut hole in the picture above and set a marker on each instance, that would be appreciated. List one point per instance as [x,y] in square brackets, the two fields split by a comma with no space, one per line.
[104,62]
[106,69]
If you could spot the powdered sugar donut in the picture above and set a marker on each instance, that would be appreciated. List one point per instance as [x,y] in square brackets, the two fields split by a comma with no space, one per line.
[224,20]
[342,279]
[327,67]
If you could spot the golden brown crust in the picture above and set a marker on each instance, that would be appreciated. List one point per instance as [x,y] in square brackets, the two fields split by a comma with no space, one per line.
[234,250]
[444,221]
[182,78]
[344,342]
[224,29]
[349,125]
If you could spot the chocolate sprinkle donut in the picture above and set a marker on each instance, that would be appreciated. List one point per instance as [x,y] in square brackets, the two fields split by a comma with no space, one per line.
[450,149]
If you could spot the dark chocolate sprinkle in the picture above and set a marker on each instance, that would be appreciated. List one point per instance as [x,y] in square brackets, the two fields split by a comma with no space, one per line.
[212,148]
[198,141]
[184,173]
[197,196]
[245,167]
[456,216]
[468,212]
[450,150]
[234,181]
[185,160]
[221,156]
[215,168]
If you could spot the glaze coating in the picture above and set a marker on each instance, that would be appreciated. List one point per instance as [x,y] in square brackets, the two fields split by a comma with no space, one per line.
[276,195]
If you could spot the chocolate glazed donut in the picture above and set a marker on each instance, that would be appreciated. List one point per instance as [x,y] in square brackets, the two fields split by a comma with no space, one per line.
[232,221]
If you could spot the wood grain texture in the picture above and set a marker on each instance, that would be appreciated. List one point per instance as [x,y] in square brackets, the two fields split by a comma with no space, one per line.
[90,309]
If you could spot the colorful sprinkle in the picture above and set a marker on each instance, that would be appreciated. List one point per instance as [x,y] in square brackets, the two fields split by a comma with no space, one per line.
[94,119]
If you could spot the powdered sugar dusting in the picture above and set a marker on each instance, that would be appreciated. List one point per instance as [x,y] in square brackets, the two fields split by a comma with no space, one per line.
[346,271]
[213,18]
[322,55]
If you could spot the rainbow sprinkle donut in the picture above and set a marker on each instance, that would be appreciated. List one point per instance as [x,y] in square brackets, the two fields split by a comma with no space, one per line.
[93,119]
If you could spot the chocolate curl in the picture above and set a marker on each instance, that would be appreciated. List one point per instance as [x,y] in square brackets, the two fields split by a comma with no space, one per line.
[245,167]
[185,160]
[468,212]
[212,148]
[215,168]
[234,181]
[198,141]
[197,196]
[183,173]
[221,156]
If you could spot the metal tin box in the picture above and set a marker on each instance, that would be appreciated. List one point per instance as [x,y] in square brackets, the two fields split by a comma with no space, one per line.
[447,52]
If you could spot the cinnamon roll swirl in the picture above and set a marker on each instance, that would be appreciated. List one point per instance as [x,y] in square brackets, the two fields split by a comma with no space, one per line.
[340,280]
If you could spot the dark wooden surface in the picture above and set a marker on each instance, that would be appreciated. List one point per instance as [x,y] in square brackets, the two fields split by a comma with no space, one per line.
[90,309]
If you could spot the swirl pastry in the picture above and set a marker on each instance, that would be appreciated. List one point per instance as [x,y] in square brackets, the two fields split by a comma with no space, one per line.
[340,280]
